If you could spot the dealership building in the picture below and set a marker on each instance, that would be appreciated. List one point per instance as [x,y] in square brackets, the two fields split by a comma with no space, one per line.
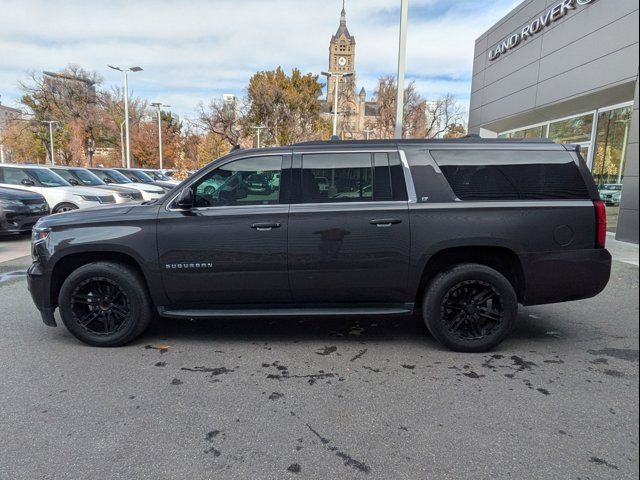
[567,70]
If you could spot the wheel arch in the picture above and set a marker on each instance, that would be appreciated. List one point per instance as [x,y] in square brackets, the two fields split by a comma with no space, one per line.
[67,264]
[53,209]
[500,258]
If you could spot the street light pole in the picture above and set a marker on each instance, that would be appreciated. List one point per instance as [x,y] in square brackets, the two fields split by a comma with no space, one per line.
[258,129]
[52,151]
[158,105]
[338,76]
[402,52]
[126,105]
[122,144]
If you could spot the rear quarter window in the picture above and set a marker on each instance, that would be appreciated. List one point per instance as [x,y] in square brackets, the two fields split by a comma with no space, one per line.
[511,174]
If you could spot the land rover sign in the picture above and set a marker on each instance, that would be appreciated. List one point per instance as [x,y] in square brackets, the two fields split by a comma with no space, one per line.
[538,24]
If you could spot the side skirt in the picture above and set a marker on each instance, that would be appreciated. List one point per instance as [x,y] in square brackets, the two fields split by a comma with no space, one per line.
[287,311]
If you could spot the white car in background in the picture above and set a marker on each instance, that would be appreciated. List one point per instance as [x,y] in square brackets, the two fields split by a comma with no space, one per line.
[78,176]
[60,195]
[159,176]
[610,193]
[113,176]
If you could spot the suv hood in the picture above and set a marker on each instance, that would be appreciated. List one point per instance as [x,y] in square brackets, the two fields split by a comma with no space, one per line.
[96,215]
[18,194]
[89,191]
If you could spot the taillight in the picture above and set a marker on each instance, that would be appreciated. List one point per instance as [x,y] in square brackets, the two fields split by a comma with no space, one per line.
[601,223]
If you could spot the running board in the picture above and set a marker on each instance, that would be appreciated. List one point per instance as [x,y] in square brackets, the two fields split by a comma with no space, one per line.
[406,309]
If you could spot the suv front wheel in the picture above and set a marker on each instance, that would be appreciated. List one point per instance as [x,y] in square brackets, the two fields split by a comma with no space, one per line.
[105,304]
[470,307]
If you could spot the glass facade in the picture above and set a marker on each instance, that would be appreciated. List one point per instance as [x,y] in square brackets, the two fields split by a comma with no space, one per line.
[572,130]
[611,145]
[603,147]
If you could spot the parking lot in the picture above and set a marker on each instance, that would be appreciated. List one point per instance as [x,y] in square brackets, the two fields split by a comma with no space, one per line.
[321,398]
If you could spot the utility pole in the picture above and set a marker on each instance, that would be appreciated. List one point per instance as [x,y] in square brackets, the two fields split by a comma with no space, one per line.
[402,53]
[338,76]
[52,151]
[158,105]
[126,105]
[258,129]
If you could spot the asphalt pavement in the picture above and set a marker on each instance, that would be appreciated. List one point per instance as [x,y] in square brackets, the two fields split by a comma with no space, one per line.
[323,398]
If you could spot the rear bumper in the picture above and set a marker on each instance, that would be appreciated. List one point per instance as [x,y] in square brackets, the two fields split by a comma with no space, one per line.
[564,276]
[39,288]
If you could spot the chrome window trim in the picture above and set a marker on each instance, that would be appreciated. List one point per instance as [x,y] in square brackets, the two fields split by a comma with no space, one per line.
[346,206]
[408,178]
[206,171]
[503,204]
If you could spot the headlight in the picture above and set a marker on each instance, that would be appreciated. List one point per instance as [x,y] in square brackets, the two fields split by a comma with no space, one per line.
[124,195]
[89,198]
[38,234]
[6,202]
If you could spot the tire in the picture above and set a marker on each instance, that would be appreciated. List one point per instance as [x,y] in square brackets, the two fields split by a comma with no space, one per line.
[64,207]
[110,298]
[470,307]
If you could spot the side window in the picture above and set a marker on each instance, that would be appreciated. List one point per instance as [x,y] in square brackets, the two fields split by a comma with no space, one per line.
[250,181]
[337,177]
[67,175]
[511,175]
[15,176]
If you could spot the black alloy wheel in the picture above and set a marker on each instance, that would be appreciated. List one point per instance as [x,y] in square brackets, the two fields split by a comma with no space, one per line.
[100,306]
[469,307]
[472,310]
[105,304]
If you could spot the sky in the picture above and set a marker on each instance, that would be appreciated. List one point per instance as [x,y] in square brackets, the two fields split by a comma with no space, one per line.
[195,50]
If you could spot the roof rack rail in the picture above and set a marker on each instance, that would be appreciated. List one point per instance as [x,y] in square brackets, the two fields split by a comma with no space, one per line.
[471,138]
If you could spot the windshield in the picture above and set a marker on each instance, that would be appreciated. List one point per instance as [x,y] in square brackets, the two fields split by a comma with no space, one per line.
[116,176]
[157,175]
[87,178]
[47,178]
[143,177]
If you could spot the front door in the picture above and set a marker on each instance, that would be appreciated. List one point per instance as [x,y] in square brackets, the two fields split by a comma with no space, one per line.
[349,229]
[231,247]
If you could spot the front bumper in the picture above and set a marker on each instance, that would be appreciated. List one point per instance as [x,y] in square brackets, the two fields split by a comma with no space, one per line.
[20,219]
[552,277]
[39,287]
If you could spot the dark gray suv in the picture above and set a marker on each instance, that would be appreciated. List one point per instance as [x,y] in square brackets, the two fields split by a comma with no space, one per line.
[460,230]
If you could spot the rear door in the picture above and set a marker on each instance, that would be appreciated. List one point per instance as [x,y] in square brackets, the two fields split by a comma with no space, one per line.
[231,248]
[349,236]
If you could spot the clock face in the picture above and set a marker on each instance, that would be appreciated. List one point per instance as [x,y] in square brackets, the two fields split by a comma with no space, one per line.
[342,61]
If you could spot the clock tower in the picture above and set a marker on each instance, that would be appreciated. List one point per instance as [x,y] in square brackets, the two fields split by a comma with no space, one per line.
[342,53]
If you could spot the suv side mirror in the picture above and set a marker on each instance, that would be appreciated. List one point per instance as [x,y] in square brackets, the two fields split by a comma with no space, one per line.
[74,182]
[185,199]
[27,183]
[107,180]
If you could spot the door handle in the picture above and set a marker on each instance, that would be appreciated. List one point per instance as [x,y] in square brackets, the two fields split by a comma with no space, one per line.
[264,227]
[384,222]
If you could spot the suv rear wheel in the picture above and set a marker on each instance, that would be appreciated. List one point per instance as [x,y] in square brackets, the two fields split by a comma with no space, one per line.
[105,304]
[470,307]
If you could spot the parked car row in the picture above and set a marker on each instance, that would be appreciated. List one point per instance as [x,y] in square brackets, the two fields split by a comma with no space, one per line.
[28,192]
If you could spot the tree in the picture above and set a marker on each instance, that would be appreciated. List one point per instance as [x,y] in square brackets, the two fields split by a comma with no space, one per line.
[421,118]
[444,114]
[288,106]
[71,99]
[225,119]
[455,130]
